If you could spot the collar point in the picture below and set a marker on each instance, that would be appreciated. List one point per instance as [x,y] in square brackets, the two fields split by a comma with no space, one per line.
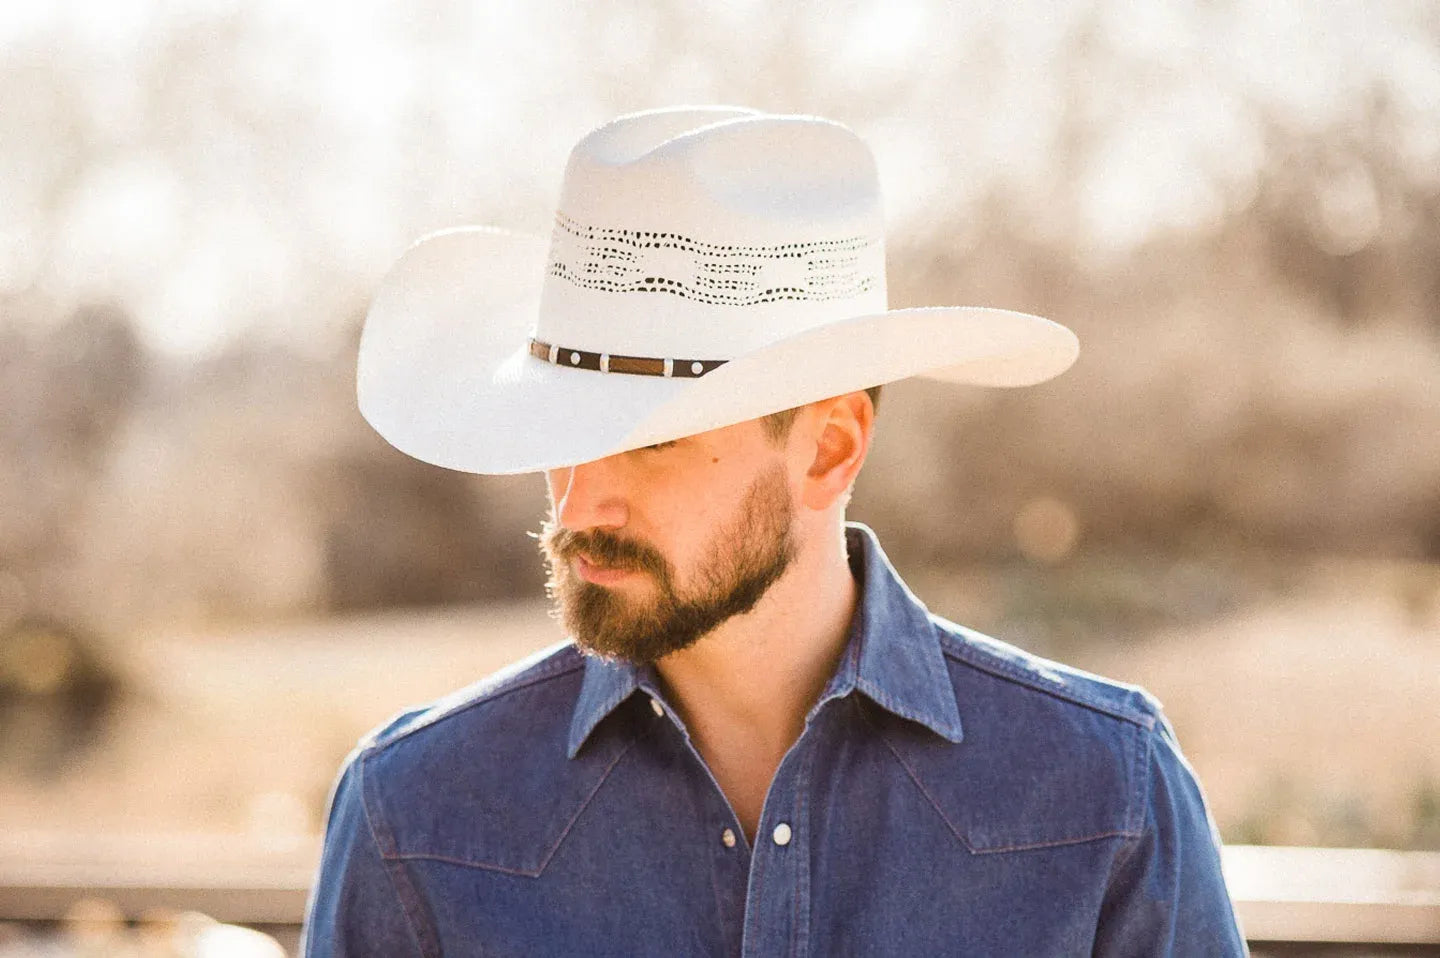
[952,734]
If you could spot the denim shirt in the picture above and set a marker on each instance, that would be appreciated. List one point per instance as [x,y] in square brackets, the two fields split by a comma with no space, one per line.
[950,795]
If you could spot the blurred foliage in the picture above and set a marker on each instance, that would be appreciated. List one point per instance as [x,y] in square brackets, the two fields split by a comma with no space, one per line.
[56,690]
[1291,813]
[1257,372]
[1235,205]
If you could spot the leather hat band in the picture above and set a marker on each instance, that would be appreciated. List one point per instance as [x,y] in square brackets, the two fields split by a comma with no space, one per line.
[630,365]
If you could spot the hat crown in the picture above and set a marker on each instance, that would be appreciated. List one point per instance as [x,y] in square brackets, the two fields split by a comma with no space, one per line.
[747,244]
[707,233]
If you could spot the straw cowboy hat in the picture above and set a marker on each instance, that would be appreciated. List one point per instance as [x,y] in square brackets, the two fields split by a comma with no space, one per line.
[707,266]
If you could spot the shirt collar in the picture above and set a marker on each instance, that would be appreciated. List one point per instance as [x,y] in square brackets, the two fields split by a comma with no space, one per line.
[606,685]
[892,655]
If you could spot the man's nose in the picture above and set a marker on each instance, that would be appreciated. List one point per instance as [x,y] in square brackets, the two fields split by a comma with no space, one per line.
[589,495]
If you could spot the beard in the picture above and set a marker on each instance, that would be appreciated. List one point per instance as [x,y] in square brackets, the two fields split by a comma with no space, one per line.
[747,555]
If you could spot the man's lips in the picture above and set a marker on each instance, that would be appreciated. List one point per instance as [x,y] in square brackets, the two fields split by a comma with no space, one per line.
[600,575]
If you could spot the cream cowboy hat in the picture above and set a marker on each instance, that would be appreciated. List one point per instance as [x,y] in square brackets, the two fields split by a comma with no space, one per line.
[707,266]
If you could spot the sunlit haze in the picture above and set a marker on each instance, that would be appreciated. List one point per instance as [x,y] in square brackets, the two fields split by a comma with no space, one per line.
[224,168]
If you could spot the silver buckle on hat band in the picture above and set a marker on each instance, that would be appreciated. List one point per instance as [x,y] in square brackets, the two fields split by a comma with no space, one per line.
[667,367]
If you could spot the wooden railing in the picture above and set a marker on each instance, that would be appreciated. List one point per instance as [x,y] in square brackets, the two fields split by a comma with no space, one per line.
[1282,895]
[1358,895]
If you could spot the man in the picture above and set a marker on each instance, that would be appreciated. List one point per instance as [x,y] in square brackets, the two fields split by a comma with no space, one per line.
[759,742]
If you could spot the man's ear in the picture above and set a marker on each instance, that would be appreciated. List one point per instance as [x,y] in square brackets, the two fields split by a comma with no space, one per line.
[841,434]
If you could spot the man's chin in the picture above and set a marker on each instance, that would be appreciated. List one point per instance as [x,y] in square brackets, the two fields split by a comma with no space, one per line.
[617,647]
[604,621]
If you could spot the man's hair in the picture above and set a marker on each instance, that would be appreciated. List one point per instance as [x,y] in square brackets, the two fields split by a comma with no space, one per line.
[777,424]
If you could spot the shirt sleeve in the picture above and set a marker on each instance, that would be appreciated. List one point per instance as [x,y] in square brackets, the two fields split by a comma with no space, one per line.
[354,909]
[1166,894]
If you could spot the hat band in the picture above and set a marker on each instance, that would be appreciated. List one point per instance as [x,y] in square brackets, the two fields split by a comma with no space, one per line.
[630,365]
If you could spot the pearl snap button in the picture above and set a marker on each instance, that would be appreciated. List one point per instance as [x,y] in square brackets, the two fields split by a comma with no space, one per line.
[781,834]
[656,707]
[727,838]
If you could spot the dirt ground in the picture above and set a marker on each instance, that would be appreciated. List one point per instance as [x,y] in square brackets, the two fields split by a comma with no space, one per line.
[1311,720]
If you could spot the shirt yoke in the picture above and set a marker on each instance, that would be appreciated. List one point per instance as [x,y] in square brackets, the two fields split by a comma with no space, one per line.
[1001,660]
[548,664]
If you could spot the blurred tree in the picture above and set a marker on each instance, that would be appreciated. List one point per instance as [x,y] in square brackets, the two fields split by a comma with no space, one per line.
[1242,232]
[1350,222]
[398,532]
[67,391]
[56,691]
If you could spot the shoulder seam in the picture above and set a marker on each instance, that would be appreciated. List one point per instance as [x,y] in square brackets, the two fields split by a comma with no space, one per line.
[955,650]
[384,840]
[551,668]
[1137,814]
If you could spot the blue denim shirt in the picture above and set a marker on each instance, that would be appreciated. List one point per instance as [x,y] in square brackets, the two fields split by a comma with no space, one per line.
[950,795]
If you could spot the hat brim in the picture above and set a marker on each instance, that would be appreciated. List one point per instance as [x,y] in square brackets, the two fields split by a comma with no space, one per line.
[445,374]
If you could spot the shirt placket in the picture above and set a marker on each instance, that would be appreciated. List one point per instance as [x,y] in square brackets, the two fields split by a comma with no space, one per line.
[730,849]
[777,894]
[776,915]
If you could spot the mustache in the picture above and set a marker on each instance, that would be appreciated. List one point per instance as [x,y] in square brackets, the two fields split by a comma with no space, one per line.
[601,548]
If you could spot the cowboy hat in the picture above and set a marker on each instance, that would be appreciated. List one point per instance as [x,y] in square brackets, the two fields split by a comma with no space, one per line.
[706,266]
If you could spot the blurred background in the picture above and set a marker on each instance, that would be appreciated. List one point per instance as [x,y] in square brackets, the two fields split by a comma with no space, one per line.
[214,577]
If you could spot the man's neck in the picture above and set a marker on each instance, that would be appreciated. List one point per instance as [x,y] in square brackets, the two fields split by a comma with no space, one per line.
[744,690]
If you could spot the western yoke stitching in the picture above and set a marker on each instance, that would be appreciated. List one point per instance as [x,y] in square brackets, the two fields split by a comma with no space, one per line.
[959,650]
[563,661]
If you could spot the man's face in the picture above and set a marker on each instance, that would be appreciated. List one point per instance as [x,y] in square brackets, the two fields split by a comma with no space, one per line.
[650,550]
